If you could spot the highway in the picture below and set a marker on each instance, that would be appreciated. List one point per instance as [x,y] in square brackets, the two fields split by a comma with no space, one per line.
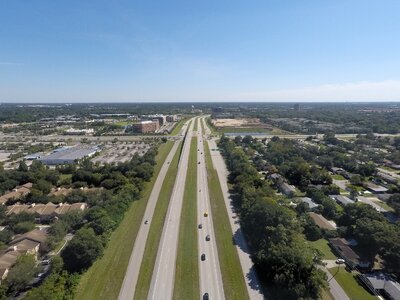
[127,290]
[210,272]
[162,282]
[249,273]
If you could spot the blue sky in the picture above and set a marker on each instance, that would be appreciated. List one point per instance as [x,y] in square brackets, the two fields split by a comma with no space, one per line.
[267,50]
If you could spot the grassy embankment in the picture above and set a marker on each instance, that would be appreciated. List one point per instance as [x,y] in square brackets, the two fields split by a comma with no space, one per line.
[156,227]
[104,279]
[232,274]
[195,125]
[187,265]
[178,127]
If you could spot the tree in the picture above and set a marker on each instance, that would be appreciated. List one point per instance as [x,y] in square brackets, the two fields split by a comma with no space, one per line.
[21,273]
[23,167]
[84,248]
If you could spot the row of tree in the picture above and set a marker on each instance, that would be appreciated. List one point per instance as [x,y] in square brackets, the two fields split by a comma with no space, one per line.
[279,251]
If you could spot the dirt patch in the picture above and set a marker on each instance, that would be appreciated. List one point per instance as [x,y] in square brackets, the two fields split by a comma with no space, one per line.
[246,122]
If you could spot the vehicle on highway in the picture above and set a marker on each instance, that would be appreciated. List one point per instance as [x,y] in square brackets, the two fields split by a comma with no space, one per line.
[200,226]
[340,261]
[146,222]
[203,257]
[208,237]
[206,214]
[205,296]
[198,162]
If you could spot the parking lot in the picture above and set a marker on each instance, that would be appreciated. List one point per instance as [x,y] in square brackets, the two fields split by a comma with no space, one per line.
[120,152]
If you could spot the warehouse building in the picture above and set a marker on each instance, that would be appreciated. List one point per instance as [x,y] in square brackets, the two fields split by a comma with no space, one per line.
[68,155]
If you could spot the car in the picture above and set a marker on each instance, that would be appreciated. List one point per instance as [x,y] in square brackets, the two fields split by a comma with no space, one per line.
[340,261]
[200,226]
[198,162]
[146,222]
[203,257]
[205,296]
[208,237]
[39,275]
[206,214]
[46,262]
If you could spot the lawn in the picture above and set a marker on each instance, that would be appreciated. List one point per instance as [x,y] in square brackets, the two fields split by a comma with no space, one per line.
[322,245]
[350,285]
[232,274]
[156,228]
[195,125]
[104,279]
[251,129]
[178,127]
[338,177]
[187,265]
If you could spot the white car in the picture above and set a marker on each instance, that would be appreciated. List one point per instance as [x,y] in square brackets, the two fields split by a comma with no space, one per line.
[340,261]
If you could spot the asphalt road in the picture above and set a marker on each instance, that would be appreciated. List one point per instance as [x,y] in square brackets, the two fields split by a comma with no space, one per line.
[249,273]
[210,272]
[336,290]
[132,273]
[162,282]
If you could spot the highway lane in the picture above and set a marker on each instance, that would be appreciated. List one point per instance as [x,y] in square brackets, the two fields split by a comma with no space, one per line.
[210,272]
[127,290]
[162,283]
[249,273]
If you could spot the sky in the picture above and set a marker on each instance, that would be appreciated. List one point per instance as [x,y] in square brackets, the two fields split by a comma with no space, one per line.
[208,50]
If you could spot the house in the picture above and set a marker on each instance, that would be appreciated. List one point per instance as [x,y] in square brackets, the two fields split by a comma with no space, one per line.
[342,200]
[31,242]
[383,284]
[322,222]
[387,177]
[7,260]
[16,193]
[286,189]
[311,204]
[376,189]
[342,248]
[46,212]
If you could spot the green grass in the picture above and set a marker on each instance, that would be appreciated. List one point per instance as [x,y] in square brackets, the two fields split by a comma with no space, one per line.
[195,125]
[156,227]
[250,129]
[232,274]
[104,279]
[178,127]
[384,205]
[338,177]
[350,285]
[123,123]
[187,263]
[202,126]
[322,245]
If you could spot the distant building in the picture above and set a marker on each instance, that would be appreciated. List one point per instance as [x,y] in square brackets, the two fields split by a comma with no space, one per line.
[69,155]
[387,177]
[286,188]
[308,200]
[73,131]
[33,156]
[172,118]
[144,127]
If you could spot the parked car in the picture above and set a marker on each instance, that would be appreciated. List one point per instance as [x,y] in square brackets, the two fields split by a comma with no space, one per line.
[340,261]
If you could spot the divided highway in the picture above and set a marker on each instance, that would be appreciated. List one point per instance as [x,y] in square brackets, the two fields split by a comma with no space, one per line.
[162,283]
[249,273]
[127,290]
[210,273]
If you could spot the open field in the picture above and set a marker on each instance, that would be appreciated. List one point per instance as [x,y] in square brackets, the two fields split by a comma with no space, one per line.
[103,280]
[232,276]
[271,131]
[322,245]
[187,264]
[350,285]
[156,227]
[338,177]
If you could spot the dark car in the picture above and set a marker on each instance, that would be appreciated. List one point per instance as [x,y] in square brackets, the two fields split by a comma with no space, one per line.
[199,162]
[200,226]
[203,257]
[207,237]
[205,296]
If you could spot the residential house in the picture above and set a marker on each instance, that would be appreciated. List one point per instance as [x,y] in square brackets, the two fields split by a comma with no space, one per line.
[376,189]
[311,204]
[16,193]
[382,284]
[342,200]
[342,248]
[31,242]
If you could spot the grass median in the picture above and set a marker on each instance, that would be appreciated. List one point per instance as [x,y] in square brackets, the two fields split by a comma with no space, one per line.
[104,279]
[156,228]
[187,265]
[232,274]
[178,127]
